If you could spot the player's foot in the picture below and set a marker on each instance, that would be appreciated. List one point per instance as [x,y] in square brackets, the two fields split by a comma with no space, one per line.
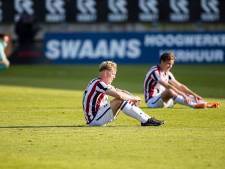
[199,106]
[212,105]
[153,122]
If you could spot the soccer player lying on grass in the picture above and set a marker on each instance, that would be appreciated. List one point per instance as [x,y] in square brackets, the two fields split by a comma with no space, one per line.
[161,89]
[4,62]
[99,110]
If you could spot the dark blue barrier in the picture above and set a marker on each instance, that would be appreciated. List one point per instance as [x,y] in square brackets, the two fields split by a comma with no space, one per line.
[130,47]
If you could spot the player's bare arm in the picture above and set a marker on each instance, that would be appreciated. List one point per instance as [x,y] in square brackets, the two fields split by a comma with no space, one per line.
[185,89]
[170,86]
[175,89]
[120,94]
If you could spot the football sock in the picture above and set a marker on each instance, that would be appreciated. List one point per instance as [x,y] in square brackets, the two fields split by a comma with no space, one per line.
[180,99]
[134,111]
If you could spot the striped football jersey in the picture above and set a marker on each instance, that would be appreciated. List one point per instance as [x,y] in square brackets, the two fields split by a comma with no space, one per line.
[152,87]
[94,97]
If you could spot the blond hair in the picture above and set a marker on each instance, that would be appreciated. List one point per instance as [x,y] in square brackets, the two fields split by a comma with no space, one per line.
[167,56]
[107,65]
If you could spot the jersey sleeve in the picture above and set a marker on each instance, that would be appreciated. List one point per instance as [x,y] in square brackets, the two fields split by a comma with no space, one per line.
[102,87]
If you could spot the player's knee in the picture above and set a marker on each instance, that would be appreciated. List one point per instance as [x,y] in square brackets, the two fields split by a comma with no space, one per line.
[171,93]
[116,101]
[168,94]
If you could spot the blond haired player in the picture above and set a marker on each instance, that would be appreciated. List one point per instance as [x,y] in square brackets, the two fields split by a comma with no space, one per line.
[161,89]
[99,110]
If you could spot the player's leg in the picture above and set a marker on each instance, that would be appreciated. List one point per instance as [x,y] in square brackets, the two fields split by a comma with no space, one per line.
[170,97]
[192,102]
[169,104]
[115,105]
[128,108]
[135,112]
[168,94]
[107,113]
[167,99]
[155,102]
[104,116]
[162,100]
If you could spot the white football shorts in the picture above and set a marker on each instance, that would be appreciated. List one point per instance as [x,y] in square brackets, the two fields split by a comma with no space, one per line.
[157,102]
[104,116]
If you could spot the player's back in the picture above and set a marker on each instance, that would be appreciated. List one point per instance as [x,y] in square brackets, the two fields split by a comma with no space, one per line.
[94,97]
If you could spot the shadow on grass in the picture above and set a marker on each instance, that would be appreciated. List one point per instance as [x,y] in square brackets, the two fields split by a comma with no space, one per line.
[42,126]
[162,109]
[63,126]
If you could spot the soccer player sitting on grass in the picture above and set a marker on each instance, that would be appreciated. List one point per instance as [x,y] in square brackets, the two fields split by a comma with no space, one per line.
[161,89]
[99,110]
[4,62]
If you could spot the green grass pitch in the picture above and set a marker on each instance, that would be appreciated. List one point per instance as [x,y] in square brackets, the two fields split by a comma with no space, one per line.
[42,124]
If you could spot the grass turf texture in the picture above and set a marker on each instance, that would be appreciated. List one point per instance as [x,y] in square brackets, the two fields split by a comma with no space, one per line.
[42,124]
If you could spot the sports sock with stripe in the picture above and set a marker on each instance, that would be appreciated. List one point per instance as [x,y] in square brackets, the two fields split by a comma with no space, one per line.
[180,99]
[134,111]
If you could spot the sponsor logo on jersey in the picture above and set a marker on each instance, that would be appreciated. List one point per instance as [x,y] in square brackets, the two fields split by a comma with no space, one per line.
[180,11]
[55,10]
[23,7]
[87,10]
[117,10]
[210,10]
[149,10]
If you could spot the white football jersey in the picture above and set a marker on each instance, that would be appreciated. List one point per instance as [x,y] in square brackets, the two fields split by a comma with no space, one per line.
[94,97]
[152,87]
